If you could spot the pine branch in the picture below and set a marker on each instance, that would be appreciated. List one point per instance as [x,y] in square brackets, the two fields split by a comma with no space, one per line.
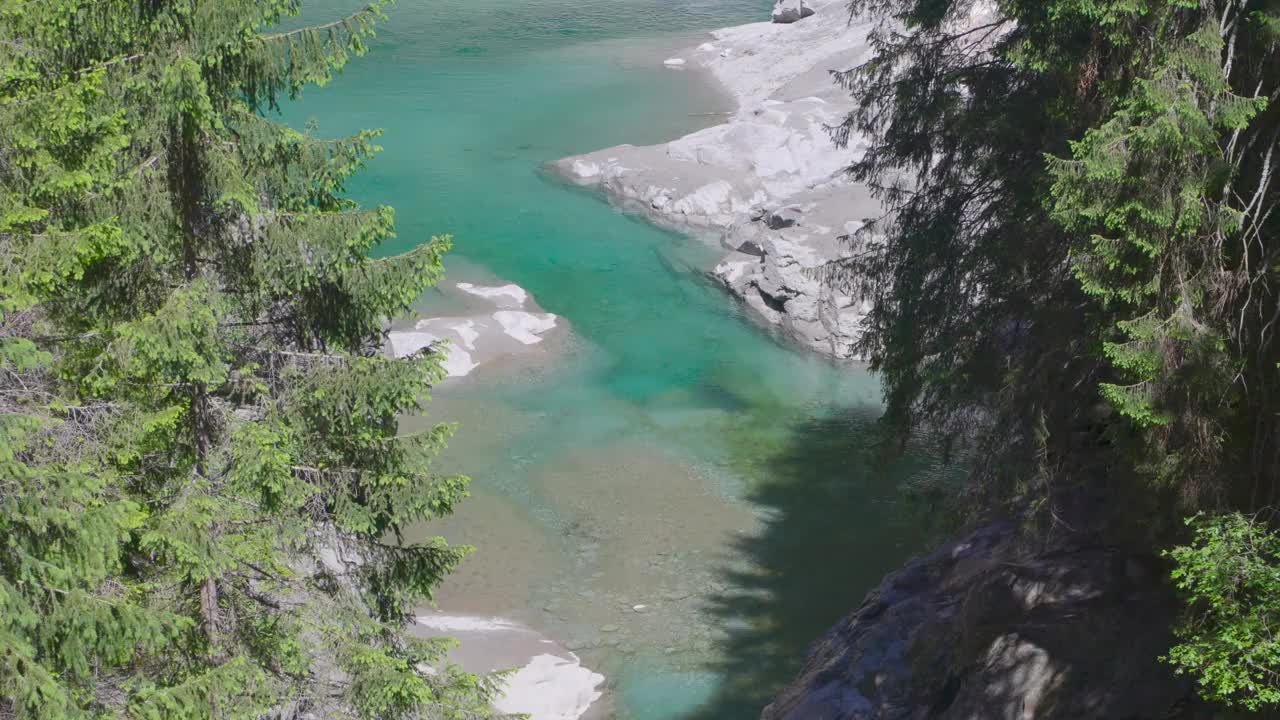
[369,13]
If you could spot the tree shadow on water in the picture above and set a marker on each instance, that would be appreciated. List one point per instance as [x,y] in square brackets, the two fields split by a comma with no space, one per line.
[835,524]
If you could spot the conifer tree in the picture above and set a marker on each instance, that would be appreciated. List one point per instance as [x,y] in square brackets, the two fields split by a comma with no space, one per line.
[202,476]
[1078,273]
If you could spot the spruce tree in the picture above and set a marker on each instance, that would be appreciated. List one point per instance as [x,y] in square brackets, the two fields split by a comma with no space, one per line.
[202,477]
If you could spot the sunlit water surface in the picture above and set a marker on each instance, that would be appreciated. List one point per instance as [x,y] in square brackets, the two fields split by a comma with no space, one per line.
[666,452]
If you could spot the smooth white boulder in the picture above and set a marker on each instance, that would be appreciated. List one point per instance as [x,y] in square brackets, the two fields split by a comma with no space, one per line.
[585,170]
[467,333]
[510,290]
[550,688]
[550,683]
[789,11]
[469,341]
[457,362]
[524,326]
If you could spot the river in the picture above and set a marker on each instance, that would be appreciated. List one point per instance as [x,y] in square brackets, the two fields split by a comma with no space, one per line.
[670,490]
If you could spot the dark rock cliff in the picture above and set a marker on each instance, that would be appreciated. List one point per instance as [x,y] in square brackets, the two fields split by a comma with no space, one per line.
[984,628]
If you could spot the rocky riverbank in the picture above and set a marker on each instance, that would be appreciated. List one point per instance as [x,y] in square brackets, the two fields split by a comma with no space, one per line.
[983,627]
[768,184]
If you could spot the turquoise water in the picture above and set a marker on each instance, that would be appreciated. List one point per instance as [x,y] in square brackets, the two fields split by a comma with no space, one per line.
[668,452]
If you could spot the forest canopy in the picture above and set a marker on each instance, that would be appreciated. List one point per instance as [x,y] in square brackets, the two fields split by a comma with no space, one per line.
[202,475]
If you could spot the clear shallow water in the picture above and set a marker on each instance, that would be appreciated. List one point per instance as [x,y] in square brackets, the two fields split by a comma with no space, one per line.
[667,452]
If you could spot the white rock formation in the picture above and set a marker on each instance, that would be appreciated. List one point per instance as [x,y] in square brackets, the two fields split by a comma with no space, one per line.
[470,341]
[457,361]
[550,683]
[769,184]
[551,687]
[525,327]
[510,294]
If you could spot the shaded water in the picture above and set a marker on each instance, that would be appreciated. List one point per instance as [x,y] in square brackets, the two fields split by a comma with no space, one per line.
[666,453]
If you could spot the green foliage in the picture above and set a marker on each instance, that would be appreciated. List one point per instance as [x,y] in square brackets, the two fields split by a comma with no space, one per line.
[1078,194]
[202,479]
[1075,277]
[1145,254]
[1230,574]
